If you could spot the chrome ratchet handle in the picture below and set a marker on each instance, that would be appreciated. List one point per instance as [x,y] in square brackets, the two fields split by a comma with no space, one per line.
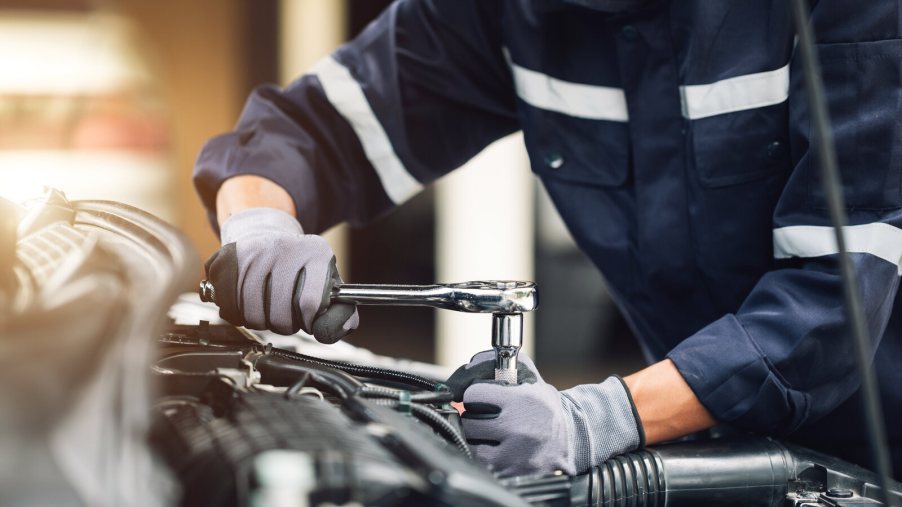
[469,297]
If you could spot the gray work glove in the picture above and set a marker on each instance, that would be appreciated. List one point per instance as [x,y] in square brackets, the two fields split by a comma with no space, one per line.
[531,428]
[270,275]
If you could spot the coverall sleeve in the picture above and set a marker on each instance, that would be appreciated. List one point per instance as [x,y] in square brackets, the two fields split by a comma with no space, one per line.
[786,358]
[420,91]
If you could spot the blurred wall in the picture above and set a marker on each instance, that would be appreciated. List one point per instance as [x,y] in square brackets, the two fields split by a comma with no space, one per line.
[309,30]
[199,49]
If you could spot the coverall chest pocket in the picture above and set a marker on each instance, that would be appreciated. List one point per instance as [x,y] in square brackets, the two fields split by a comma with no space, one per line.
[863,86]
[742,146]
[578,150]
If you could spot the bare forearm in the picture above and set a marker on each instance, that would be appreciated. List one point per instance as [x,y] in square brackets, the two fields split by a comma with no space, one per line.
[249,191]
[666,404]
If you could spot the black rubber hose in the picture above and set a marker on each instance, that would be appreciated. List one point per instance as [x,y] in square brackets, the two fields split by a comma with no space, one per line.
[436,421]
[826,152]
[420,397]
[362,371]
[442,426]
[280,371]
[747,472]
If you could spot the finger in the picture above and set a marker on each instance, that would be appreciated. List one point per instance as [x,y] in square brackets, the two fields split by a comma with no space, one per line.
[481,411]
[334,322]
[524,361]
[283,317]
[297,320]
[458,382]
[222,272]
[310,293]
[316,284]
[210,260]
[333,325]
[483,429]
[488,452]
[484,416]
[474,442]
[254,279]
[526,375]
[481,357]
[465,376]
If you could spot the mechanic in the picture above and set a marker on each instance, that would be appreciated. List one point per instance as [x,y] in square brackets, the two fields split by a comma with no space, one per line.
[674,140]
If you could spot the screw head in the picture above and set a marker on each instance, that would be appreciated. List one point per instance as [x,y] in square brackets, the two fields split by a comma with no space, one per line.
[839,493]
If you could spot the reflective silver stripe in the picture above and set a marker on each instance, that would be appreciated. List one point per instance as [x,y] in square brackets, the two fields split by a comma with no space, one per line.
[735,94]
[573,99]
[878,239]
[347,97]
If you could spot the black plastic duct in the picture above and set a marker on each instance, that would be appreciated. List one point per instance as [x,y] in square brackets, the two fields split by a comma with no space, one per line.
[753,472]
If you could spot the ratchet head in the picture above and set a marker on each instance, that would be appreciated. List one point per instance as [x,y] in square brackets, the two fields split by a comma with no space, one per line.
[495,296]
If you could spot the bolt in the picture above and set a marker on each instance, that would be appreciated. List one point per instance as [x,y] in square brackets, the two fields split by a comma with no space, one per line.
[839,493]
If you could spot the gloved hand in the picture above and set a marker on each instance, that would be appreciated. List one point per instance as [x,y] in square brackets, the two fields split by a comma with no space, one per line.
[270,275]
[531,428]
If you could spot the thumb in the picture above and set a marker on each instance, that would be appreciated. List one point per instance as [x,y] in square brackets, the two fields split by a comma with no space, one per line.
[335,320]
[335,323]
[222,271]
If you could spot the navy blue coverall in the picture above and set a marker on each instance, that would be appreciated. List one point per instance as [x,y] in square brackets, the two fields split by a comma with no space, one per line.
[676,145]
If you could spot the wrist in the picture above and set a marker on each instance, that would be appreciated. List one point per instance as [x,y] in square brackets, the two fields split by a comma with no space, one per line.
[246,191]
[666,404]
[635,410]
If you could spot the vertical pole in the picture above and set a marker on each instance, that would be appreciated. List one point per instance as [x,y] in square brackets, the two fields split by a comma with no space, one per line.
[308,31]
[484,231]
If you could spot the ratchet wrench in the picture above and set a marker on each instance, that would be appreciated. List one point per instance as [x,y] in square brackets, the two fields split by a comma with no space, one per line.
[505,300]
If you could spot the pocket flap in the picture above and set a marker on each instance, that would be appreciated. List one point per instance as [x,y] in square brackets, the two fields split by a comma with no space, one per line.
[739,147]
[590,152]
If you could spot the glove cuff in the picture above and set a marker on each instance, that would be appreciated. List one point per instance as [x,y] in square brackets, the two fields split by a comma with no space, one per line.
[629,395]
[256,221]
[605,422]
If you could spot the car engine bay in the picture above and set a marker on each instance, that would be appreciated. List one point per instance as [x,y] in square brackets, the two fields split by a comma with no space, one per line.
[113,395]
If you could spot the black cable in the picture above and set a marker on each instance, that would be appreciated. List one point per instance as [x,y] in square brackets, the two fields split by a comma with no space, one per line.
[441,425]
[436,421]
[826,152]
[334,376]
[280,371]
[362,371]
[277,369]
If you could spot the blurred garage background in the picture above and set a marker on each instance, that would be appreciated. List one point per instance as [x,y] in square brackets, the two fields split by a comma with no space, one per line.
[113,99]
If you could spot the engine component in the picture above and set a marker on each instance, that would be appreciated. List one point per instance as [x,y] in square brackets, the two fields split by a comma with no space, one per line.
[348,441]
[205,408]
[75,350]
[752,472]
